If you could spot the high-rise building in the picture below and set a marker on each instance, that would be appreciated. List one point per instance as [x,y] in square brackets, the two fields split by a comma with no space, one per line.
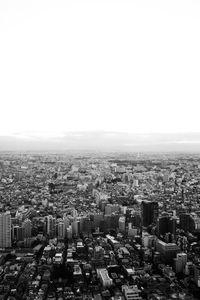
[168,250]
[173,225]
[51,226]
[132,231]
[131,292]
[136,220]
[5,230]
[149,213]
[166,224]
[66,221]
[27,228]
[187,222]
[98,253]
[103,225]
[76,227]
[122,224]
[17,233]
[110,208]
[106,281]
[180,262]
[61,229]
[114,221]
[107,219]
[147,240]
[197,275]
[98,217]
[85,224]
[69,232]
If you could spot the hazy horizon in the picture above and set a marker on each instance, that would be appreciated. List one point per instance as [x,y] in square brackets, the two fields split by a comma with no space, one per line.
[102,141]
[128,67]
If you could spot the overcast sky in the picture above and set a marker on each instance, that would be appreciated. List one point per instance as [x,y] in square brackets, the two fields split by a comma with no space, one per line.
[99,65]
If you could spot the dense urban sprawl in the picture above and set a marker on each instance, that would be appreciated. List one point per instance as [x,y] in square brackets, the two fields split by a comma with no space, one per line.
[99,226]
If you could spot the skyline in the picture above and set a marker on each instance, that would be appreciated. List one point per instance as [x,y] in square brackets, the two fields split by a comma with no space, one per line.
[69,66]
[99,149]
[101,141]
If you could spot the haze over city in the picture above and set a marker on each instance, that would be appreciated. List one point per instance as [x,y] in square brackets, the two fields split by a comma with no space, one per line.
[74,70]
[99,150]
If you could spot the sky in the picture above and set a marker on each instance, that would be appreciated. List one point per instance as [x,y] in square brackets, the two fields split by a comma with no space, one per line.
[115,66]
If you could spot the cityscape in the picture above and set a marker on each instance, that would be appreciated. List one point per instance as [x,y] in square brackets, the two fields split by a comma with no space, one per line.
[99,150]
[99,226]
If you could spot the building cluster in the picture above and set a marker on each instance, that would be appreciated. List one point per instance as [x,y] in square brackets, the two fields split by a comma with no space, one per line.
[99,226]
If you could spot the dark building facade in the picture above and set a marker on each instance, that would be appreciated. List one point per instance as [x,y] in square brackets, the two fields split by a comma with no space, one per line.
[149,213]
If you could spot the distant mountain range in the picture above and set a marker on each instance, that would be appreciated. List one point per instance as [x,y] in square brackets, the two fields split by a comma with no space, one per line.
[101,140]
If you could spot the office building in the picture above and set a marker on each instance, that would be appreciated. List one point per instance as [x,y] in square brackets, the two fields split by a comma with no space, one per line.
[27,228]
[51,226]
[106,281]
[131,292]
[111,208]
[76,227]
[5,230]
[149,213]
[180,262]
[197,275]
[187,222]
[17,233]
[61,230]
[122,224]
[168,250]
